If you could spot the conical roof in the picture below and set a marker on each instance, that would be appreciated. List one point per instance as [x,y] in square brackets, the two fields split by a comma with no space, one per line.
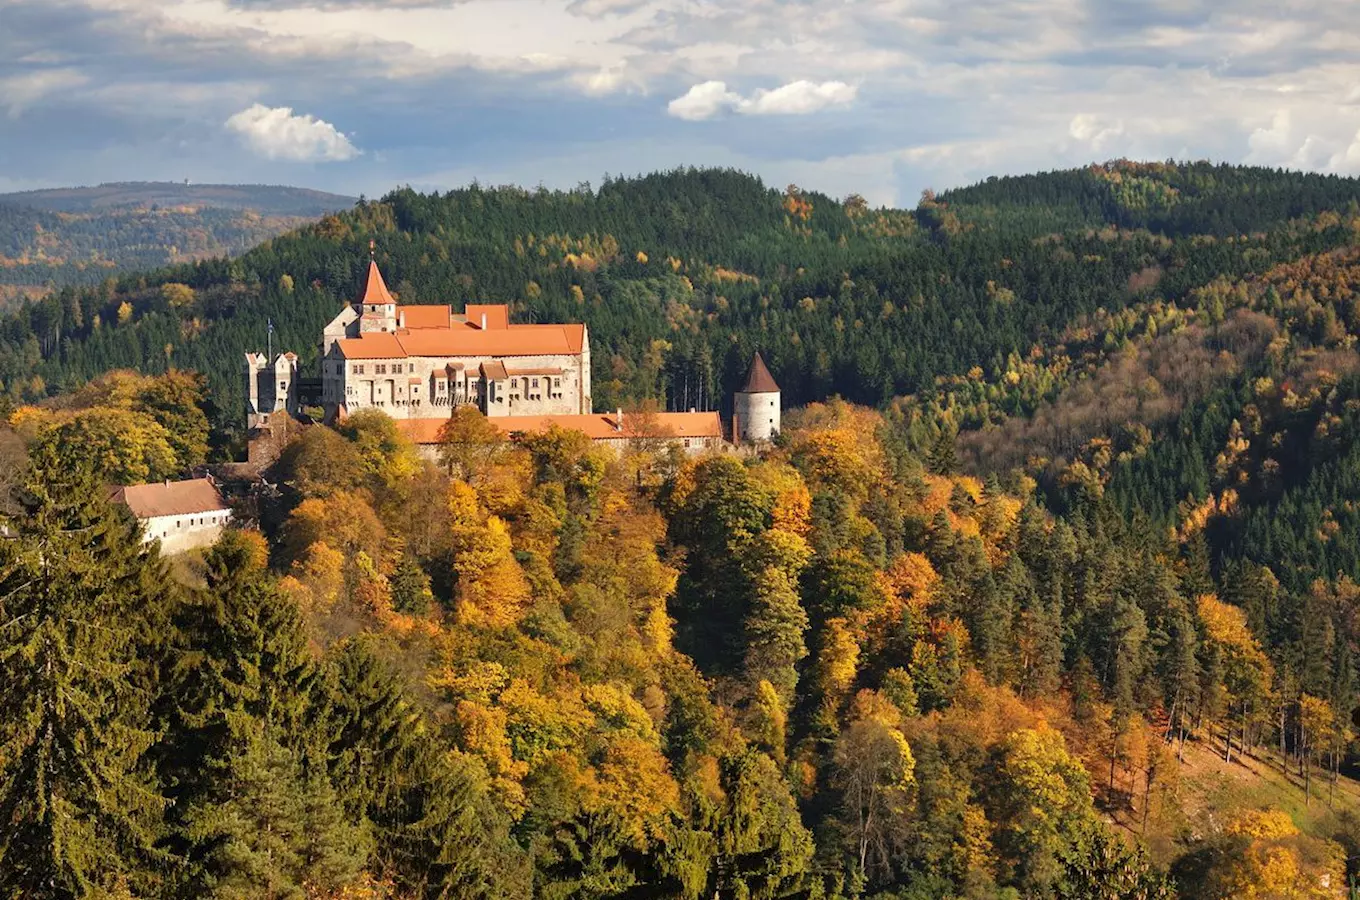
[374,291]
[758,379]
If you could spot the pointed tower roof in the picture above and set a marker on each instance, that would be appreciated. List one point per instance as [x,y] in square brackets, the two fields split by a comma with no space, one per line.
[758,379]
[374,291]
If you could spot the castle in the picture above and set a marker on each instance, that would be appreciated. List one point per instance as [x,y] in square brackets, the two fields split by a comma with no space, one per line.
[417,363]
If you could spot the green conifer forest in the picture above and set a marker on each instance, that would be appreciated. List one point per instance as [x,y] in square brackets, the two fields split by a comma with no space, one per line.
[1047,589]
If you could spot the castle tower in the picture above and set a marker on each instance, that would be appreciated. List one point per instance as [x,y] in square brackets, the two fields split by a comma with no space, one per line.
[270,388]
[756,406]
[376,307]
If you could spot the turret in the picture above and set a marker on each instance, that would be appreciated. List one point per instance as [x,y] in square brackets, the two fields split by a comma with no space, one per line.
[756,406]
[375,305]
[270,388]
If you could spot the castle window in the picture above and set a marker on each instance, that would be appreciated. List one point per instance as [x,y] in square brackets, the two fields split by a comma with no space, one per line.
[380,369]
[771,403]
[535,384]
[358,369]
[410,367]
[514,383]
[557,382]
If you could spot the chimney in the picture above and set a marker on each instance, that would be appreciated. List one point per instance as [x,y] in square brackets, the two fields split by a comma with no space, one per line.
[401,319]
[618,419]
[483,321]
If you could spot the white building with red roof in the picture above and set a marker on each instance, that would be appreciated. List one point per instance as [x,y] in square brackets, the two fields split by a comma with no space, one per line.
[416,362]
[181,515]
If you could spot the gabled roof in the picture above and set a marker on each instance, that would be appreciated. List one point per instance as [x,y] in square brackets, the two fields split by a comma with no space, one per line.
[596,426]
[374,290]
[494,371]
[426,316]
[171,498]
[374,345]
[516,340]
[758,379]
[497,315]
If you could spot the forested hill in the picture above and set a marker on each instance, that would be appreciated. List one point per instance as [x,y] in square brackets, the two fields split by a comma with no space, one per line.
[1081,559]
[866,303]
[80,236]
[1171,199]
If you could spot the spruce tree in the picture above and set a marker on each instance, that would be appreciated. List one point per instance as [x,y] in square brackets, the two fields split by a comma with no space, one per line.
[256,812]
[80,804]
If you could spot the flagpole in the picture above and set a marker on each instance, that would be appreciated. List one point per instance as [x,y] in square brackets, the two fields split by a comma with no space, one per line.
[270,340]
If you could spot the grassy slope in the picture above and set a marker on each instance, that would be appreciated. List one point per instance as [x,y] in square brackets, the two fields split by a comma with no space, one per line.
[1210,790]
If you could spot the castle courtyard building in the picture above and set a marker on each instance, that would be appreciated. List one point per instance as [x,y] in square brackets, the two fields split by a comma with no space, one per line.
[416,362]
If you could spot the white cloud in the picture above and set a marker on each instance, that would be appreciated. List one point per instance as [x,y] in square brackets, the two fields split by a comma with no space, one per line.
[610,80]
[711,98]
[800,98]
[19,92]
[1095,132]
[703,101]
[276,133]
[1270,146]
[598,8]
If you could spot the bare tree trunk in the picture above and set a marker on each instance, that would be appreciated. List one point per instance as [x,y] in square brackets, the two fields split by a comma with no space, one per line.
[1147,798]
[1336,773]
[1284,760]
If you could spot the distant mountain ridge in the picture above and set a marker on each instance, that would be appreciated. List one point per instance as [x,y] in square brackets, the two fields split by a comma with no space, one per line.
[278,200]
[65,237]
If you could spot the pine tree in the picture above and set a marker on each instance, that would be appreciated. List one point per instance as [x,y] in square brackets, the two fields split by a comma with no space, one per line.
[79,802]
[436,826]
[256,813]
[943,458]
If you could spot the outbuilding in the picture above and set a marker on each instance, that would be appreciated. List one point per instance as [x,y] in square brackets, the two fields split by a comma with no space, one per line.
[181,515]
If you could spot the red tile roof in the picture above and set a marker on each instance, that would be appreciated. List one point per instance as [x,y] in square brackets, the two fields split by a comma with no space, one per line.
[758,379]
[374,290]
[497,315]
[374,345]
[596,426]
[515,340]
[170,498]
[425,316]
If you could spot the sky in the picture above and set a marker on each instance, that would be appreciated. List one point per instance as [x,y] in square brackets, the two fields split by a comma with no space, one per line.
[883,98]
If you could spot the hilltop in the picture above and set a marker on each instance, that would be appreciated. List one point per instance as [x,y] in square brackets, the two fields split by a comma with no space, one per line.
[80,236]
[265,199]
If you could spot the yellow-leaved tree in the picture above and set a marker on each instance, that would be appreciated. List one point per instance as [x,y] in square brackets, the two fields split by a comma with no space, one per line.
[491,587]
[1244,672]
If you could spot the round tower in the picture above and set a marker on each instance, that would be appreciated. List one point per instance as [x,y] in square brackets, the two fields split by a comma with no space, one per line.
[756,406]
